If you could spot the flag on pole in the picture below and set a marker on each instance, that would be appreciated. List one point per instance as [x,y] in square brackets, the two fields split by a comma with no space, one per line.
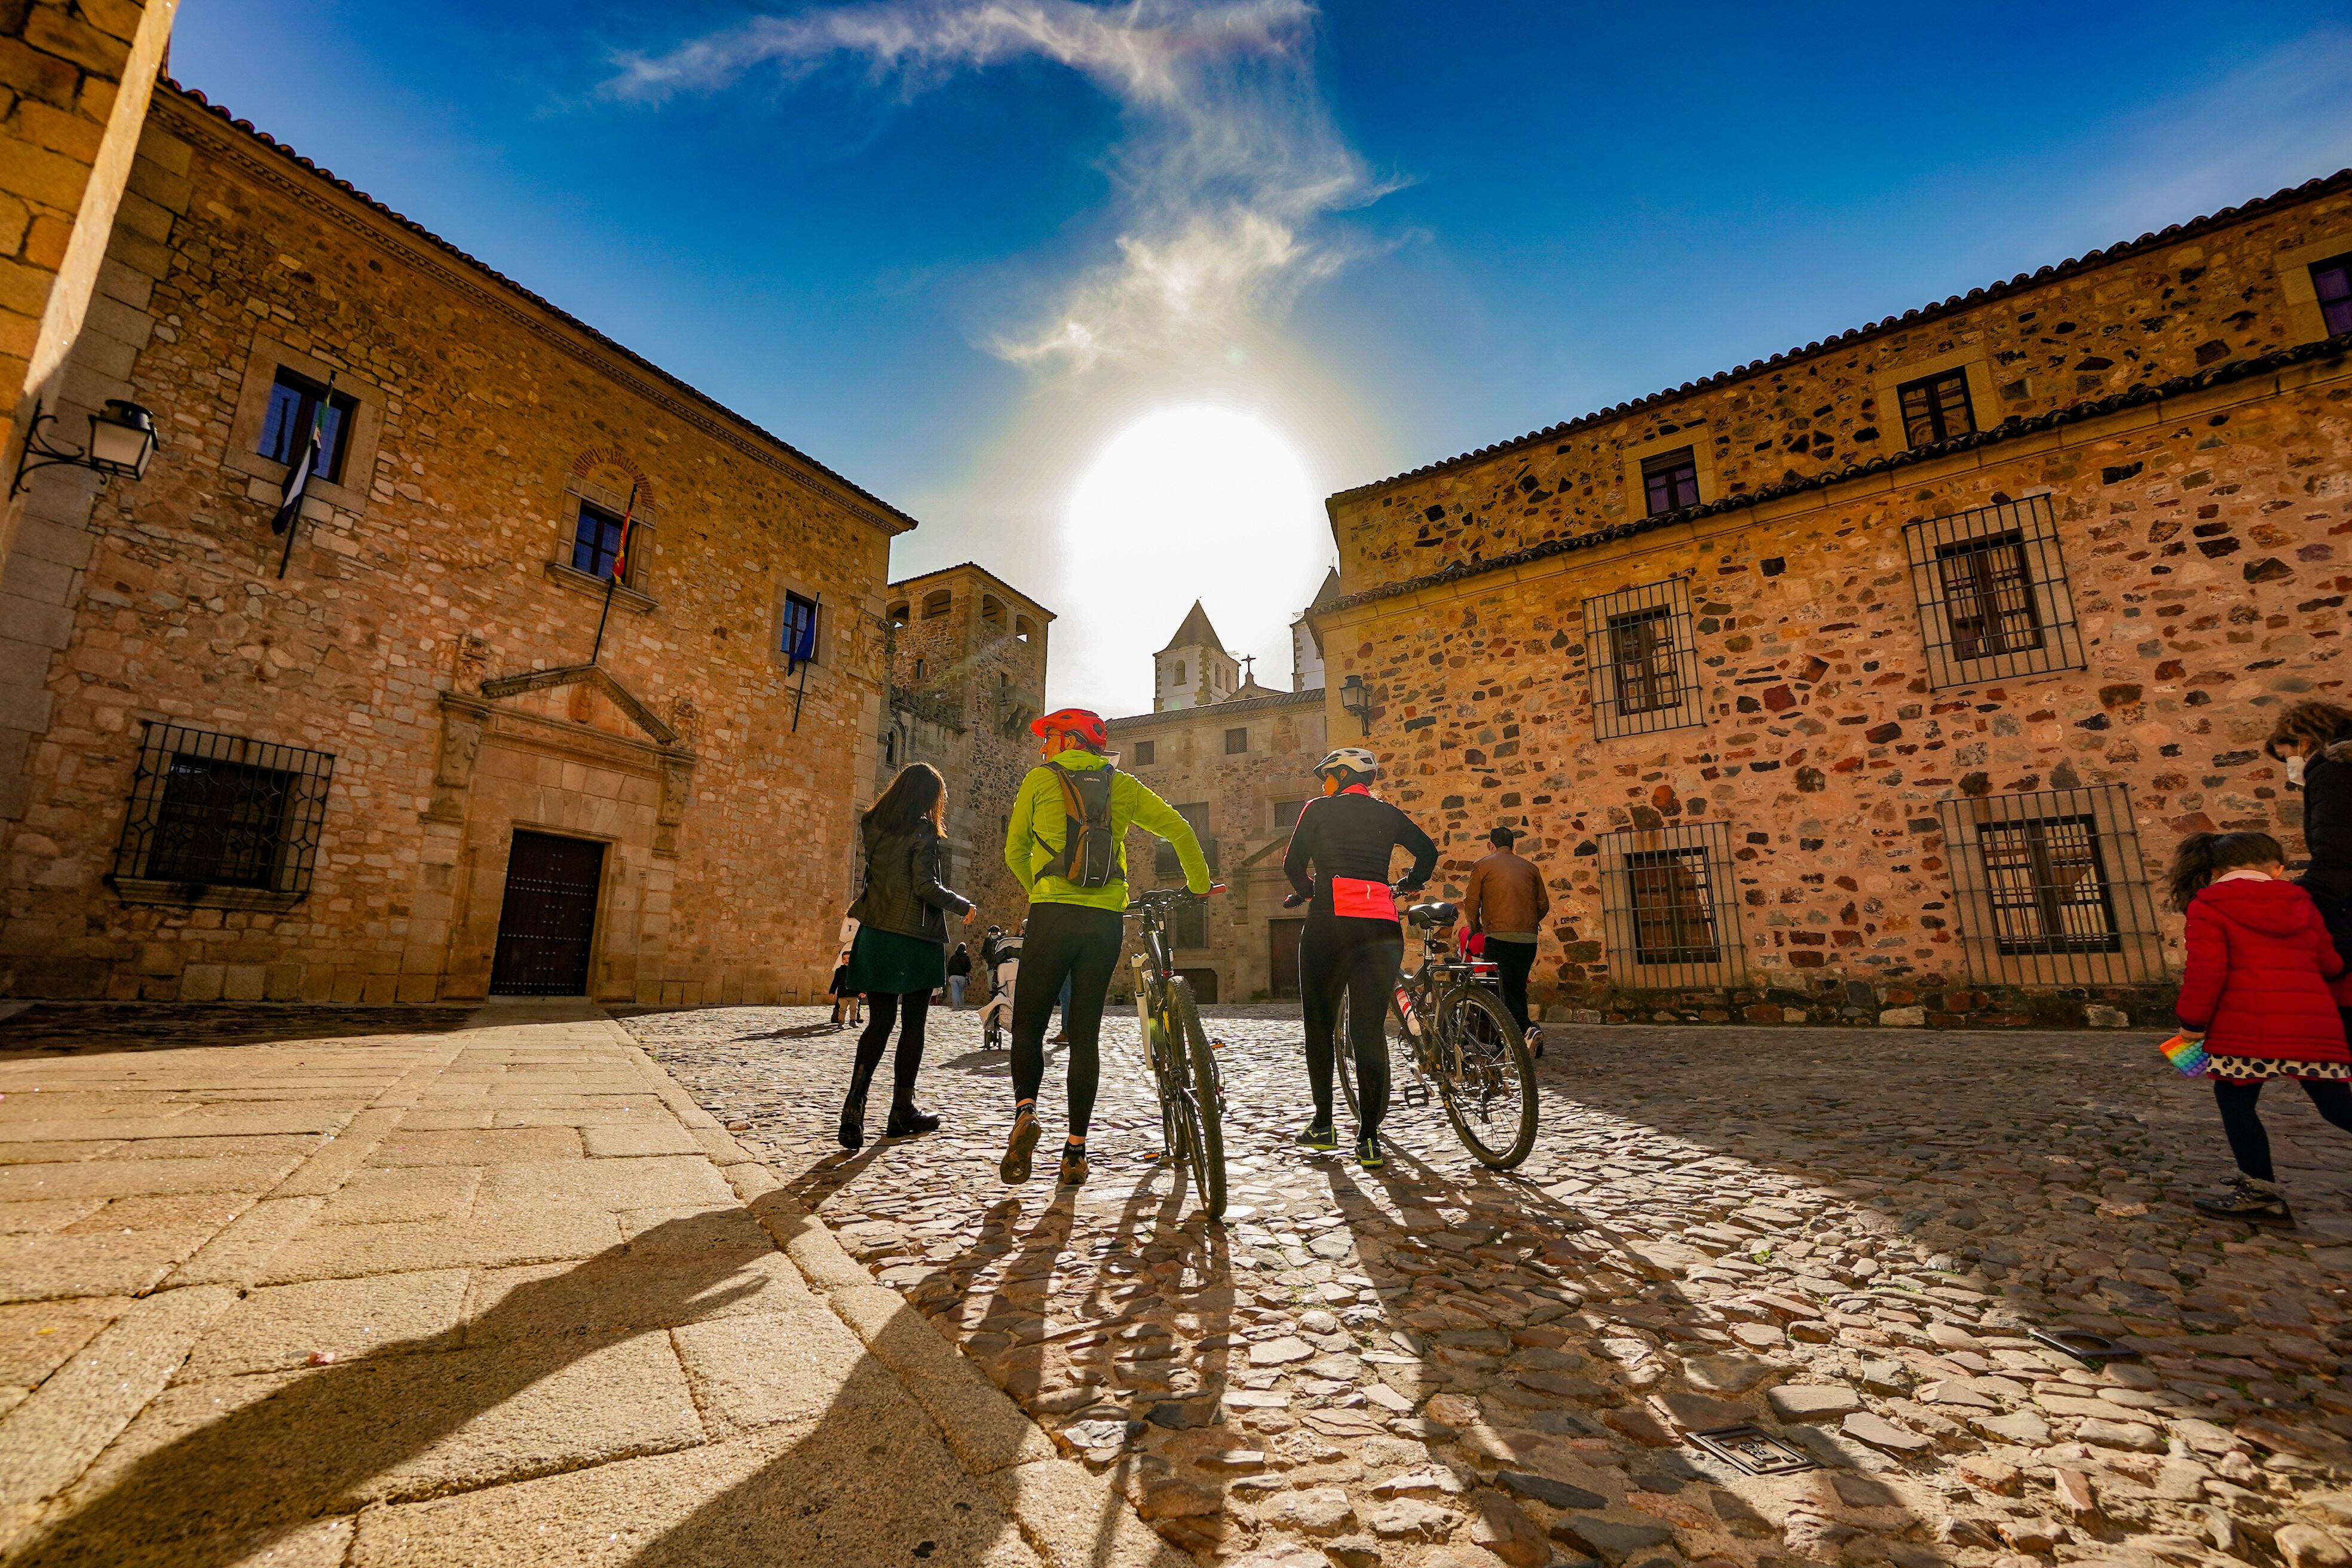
[620,569]
[298,478]
[802,646]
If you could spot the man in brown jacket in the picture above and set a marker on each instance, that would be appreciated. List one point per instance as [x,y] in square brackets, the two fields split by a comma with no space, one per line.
[1506,900]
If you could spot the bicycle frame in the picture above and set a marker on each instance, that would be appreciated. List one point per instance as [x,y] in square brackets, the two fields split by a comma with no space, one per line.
[1415,998]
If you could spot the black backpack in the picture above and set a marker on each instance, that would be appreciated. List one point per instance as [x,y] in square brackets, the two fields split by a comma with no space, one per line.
[1089,854]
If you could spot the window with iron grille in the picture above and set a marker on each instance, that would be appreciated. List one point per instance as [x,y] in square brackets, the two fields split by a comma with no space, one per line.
[1285,815]
[799,637]
[1188,925]
[597,542]
[1146,753]
[1644,662]
[1993,597]
[294,403]
[219,819]
[1669,911]
[1670,481]
[1165,861]
[2051,888]
[1236,742]
[1936,407]
[2331,280]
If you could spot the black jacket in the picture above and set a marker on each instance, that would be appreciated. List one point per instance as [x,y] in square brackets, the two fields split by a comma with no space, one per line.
[960,960]
[1348,835]
[906,884]
[2327,832]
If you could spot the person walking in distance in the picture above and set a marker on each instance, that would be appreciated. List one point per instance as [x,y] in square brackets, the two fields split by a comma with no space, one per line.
[900,955]
[2256,988]
[1506,902]
[1067,844]
[2315,741]
[1339,862]
[958,976]
[846,1007]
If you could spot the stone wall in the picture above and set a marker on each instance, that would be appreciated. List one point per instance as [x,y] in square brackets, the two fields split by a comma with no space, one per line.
[965,685]
[428,632]
[2204,533]
[1192,767]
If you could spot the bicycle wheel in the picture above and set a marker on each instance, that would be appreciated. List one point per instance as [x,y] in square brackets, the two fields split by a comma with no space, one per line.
[1202,1097]
[1487,1077]
[1166,1052]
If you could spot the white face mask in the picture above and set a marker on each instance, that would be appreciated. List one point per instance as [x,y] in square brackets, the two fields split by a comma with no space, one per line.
[2295,771]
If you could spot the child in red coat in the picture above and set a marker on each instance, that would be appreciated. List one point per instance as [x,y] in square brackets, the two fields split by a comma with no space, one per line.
[2260,961]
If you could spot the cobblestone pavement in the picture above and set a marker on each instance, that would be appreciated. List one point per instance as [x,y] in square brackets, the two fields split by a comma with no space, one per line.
[1843,1236]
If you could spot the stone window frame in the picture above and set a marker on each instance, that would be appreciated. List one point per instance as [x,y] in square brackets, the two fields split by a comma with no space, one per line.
[1708,842]
[1887,400]
[1164,859]
[829,631]
[1240,731]
[2293,266]
[1932,380]
[1146,753]
[1672,595]
[643,529]
[2133,950]
[938,605]
[300,830]
[1698,435]
[1024,629]
[263,361]
[2059,643]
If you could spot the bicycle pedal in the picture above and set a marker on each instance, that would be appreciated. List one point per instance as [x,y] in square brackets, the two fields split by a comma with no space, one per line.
[1414,1094]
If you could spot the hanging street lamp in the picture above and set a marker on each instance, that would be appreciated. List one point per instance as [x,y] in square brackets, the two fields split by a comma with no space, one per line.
[122,442]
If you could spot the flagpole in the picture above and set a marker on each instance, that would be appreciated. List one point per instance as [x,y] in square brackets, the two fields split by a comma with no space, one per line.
[304,460]
[802,693]
[620,561]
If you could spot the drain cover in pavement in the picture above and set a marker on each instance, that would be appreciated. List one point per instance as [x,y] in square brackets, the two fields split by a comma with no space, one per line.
[1751,1450]
[2083,1344]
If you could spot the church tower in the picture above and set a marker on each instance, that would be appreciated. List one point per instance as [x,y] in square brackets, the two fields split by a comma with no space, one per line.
[1194,670]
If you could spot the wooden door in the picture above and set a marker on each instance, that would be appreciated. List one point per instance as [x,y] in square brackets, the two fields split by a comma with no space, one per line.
[1282,956]
[548,923]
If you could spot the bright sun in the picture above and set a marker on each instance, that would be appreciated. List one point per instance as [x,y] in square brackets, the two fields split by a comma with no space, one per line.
[1197,502]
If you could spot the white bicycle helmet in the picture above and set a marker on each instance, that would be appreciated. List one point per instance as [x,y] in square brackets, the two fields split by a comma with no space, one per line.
[1353,759]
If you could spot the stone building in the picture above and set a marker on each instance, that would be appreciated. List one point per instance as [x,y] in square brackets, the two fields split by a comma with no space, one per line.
[385,756]
[1879,677]
[1237,767]
[967,675]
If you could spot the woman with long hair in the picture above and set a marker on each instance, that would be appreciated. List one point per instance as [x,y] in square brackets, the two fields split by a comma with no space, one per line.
[2314,740]
[900,957]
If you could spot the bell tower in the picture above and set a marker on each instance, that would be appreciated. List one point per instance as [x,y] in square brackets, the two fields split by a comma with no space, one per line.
[1194,670]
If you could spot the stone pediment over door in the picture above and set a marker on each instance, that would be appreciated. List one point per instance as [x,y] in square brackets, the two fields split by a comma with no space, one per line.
[579,712]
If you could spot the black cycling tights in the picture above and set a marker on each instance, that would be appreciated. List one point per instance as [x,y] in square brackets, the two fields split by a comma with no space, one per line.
[885,1010]
[1359,957]
[1081,945]
[2248,1142]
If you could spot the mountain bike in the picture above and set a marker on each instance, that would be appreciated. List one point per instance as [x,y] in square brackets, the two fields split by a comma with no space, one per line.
[1450,1026]
[1183,1061]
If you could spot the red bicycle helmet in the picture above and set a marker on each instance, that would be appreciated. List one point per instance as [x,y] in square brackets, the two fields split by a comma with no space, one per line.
[1086,726]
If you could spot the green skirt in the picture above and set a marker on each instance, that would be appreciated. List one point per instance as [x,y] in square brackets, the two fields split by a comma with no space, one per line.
[883,961]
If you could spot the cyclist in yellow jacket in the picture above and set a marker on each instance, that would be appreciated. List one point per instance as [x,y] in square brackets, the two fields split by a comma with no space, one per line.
[1067,843]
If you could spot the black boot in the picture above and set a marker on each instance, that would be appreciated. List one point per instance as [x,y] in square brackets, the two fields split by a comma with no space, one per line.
[853,1121]
[906,1121]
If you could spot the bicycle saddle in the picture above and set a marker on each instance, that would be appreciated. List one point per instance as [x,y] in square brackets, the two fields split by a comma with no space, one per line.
[1433,914]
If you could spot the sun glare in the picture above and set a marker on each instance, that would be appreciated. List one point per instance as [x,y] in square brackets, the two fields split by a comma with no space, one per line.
[1197,502]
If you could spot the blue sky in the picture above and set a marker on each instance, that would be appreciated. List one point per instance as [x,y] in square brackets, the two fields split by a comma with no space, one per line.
[974,256]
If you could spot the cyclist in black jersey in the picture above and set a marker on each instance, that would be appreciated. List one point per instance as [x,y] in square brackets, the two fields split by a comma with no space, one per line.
[1339,862]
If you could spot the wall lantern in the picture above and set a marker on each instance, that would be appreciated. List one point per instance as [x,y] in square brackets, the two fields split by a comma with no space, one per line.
[121,440]
[1357,699]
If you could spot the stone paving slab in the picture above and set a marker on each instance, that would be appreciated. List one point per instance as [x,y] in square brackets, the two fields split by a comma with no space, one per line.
[1841,1237]
[570,1329]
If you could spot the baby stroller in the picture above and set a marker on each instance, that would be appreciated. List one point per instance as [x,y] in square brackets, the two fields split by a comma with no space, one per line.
[996,1018]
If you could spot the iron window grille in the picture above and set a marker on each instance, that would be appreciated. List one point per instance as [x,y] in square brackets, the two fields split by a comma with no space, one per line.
[1670,913]
[1936,407]
[1670,481]
[286,424]
[597,542]
[2331,280]
[2051,888]
[1643,661]
[1164,859]
[1992,593]
[1237,741]
[1146,753]
[218,811]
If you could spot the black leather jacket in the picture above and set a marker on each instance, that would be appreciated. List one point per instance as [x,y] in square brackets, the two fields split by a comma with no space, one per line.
[906,884]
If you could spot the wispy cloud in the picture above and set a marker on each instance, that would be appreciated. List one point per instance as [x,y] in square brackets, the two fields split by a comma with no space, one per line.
[1227,179]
